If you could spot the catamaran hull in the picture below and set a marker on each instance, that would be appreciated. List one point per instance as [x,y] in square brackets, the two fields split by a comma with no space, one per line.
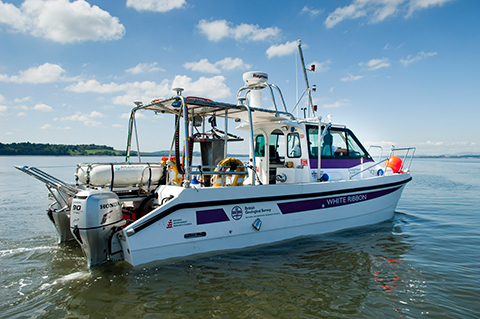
[240,217]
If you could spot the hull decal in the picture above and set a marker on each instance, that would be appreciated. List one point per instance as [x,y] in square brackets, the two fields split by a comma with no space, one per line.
[238,201]
[211,216]
[313,204]
[338,163]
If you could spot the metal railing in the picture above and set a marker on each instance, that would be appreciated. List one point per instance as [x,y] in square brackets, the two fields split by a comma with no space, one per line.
[408,156]
[63,191]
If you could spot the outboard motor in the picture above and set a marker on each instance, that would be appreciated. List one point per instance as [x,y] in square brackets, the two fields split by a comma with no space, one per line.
[95,216]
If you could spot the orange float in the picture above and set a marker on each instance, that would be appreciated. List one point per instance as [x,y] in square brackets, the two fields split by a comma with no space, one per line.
[395,163]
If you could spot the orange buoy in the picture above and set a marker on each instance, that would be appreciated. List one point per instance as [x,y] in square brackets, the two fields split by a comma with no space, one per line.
[395,163]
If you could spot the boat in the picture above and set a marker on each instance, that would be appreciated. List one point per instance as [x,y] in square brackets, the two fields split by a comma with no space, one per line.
[299,177]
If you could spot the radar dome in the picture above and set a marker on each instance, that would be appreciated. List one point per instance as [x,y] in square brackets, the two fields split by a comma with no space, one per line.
[255,79]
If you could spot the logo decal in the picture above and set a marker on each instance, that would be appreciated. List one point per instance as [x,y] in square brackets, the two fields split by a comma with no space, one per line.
[177,222]
[237,212]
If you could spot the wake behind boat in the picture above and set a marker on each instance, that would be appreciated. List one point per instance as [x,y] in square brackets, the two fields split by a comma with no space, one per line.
[303,176]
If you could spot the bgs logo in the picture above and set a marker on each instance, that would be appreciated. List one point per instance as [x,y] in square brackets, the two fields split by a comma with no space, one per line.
[237,212]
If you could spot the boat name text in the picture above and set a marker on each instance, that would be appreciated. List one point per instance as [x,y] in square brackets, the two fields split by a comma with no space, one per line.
[346,199]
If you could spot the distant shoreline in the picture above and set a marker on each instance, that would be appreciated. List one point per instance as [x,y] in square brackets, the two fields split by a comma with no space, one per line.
[39,149]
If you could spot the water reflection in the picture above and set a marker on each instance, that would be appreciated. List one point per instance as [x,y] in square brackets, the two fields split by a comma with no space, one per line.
[333,275]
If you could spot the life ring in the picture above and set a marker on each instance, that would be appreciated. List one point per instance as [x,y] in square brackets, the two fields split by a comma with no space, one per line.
[177,177]
[232,164]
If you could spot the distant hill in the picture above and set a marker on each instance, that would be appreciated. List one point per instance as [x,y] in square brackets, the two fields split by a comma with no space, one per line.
[28,148]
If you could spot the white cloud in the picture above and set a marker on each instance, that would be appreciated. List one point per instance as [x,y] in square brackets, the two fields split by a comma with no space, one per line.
[134,91]
[46,127]
[2,98]
[62,21]
[375,64]
[352,11]
[223,65]
[219,29]
[96,114]
[146,91]
[43,108]
[86,119]
[378,10]
[339,103]
[351,77]
[423,4]
[321,66]
[50,127]
[25,99]
[214,87]
[45,73]
[312,12]
[20,114]
[3,108]
[138,115]
[202,66]
[228,64]
[95,87]
[156,5]
[144,68]
[420,56]
[282,49]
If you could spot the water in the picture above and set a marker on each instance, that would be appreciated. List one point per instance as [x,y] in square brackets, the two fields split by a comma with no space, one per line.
[423,263]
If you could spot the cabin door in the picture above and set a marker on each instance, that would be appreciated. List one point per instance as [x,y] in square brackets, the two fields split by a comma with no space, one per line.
[260,157]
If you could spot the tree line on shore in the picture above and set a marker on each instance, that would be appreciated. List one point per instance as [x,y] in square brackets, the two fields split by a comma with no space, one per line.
[27,148]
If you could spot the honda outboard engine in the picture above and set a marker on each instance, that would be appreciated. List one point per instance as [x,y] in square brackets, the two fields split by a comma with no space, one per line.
[94,218]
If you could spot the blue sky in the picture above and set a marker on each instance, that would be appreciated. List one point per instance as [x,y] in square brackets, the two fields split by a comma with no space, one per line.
[401,72]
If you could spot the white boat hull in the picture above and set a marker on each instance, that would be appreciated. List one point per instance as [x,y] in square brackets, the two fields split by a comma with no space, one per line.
[190,224]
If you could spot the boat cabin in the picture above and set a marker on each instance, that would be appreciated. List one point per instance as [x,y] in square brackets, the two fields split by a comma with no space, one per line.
[282,148]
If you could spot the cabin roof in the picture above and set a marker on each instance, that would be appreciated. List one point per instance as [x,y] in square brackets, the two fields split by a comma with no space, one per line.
[206,107]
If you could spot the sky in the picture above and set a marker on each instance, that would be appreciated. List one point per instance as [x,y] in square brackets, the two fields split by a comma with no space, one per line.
[397,72]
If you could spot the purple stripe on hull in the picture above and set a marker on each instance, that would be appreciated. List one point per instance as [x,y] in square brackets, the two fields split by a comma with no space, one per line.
[211,216]
[338,163]
[312,204]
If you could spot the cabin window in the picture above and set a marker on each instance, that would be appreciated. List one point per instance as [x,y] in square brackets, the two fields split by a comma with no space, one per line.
[259,145]
[277,147]
[293,145]
[334,144]
[337,143]
[313,141]
[354,149]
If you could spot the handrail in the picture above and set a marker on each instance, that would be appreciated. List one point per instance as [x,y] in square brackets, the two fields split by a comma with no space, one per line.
[48,179]
[407,149]
[52,182]
[365,169]
[392,151]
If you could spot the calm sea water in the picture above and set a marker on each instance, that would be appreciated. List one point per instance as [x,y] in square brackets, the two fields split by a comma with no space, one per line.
[422,263]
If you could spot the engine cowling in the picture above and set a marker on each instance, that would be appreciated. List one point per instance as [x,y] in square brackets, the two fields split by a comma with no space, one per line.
[95,216]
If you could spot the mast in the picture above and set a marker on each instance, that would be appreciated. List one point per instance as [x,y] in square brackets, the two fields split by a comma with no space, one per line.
[310,103]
